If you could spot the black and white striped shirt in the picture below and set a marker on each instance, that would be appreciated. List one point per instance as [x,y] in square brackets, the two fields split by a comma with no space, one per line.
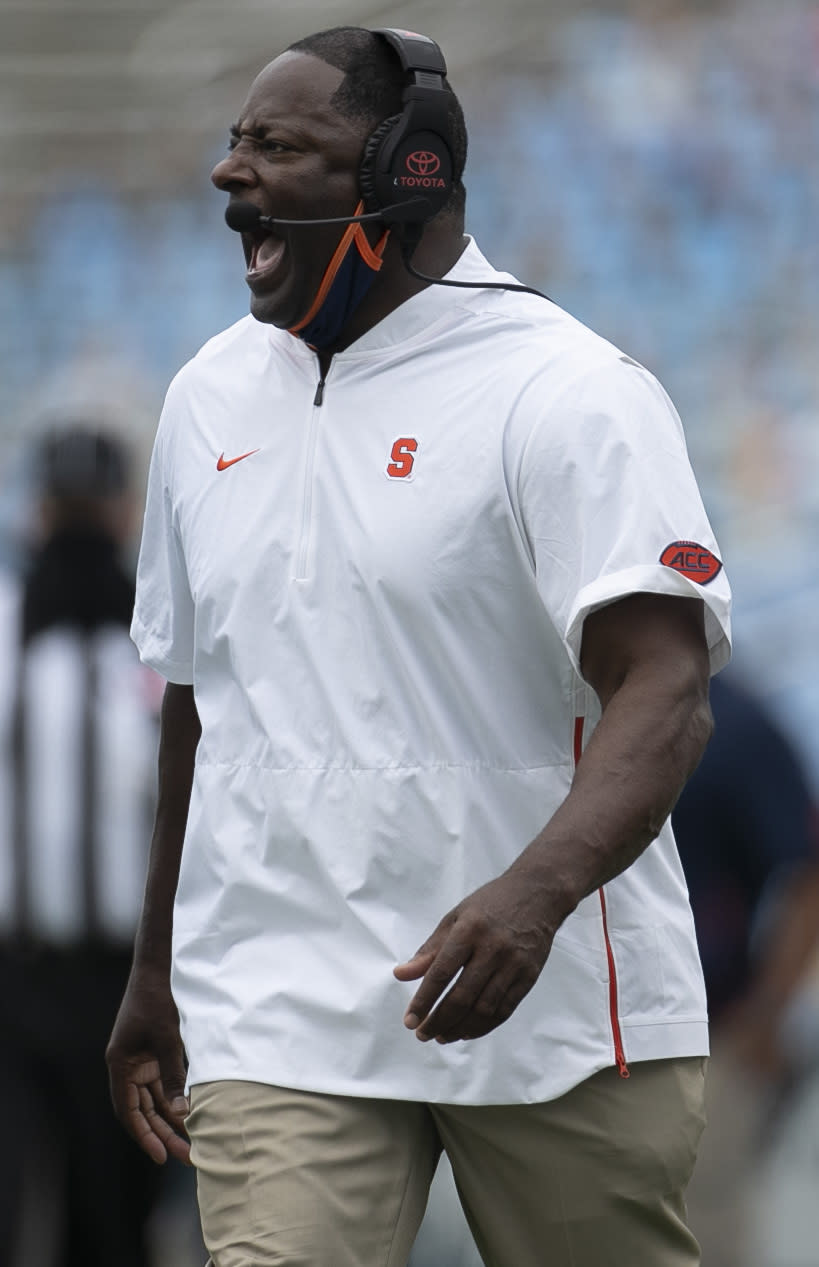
[78,718]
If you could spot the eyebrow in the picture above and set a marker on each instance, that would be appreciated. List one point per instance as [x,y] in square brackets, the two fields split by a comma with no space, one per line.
[236,132]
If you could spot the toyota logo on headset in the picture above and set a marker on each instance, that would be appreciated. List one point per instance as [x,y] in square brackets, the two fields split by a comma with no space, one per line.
[423,163]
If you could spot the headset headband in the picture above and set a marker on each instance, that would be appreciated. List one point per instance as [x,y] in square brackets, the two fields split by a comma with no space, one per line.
[416,52]
[409,156]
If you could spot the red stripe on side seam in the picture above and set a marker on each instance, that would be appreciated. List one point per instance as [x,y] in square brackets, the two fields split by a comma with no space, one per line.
[619,1054]
[614,1016]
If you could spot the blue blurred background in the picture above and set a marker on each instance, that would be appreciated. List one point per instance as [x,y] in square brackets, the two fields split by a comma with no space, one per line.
[652,165]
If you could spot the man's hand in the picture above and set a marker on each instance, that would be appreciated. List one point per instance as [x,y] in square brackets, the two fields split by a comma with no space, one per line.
[498,940]
[146,1067]
[146,1060]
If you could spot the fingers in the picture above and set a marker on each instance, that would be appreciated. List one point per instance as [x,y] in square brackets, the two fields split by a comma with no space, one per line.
[414,967]
[468,988]
[168,1091]
[441,970]
[425,955]
[154,1121]
[455,1015]
[164,1135]
[482,959]
[494,1005]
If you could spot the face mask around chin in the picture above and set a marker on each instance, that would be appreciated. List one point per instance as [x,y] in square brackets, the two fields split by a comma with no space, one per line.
[349,275]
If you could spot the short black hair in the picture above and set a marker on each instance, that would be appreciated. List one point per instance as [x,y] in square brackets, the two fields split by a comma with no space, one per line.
[373,86]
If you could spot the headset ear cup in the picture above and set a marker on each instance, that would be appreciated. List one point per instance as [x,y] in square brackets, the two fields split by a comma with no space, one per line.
[367,171]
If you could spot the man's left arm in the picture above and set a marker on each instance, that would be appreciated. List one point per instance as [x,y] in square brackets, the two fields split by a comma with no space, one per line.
[646,658]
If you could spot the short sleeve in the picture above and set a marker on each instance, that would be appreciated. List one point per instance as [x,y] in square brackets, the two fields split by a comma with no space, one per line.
[163,622]
[610,506]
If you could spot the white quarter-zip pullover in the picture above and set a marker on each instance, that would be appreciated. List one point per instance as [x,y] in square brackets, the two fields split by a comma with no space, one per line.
[379,600]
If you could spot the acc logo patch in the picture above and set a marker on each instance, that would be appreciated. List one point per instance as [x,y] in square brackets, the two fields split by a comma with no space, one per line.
[692,560]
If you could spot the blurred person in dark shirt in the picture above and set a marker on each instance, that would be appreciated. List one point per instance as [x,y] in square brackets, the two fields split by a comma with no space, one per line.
[746,830]
[79,721]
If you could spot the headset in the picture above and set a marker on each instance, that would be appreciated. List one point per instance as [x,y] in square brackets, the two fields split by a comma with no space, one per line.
[409,155]
[406,172]
[408,158]
[405,175]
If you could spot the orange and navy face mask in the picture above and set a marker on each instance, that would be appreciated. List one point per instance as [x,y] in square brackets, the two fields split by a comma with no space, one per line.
[349,275]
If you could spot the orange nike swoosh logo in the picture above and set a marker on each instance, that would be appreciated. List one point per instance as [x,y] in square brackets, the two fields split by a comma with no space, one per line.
[222,464]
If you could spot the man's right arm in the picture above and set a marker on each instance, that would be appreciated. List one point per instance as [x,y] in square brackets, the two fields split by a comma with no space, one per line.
[146,1061]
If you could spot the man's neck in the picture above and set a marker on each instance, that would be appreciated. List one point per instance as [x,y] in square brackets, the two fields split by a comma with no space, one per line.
[435,256]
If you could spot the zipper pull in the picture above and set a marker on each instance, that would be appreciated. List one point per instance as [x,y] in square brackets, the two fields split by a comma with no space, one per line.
[319,396]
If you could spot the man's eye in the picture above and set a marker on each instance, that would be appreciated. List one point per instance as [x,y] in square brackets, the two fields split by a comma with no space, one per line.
[269,146]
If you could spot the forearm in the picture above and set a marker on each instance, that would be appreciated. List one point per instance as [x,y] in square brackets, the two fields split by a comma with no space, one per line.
[647,659]
[648,742]
[179,735]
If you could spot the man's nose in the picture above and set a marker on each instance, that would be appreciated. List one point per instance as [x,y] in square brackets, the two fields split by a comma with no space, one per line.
[233,171]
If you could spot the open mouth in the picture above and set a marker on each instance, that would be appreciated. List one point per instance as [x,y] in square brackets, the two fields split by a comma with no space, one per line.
[263,253]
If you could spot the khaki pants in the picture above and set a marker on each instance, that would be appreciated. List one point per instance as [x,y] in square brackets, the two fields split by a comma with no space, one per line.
[593,1179]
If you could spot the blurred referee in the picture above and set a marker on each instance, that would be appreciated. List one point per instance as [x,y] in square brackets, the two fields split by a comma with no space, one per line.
[78,716]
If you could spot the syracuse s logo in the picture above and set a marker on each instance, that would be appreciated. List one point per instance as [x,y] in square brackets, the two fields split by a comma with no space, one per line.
[423,163]
[402,458]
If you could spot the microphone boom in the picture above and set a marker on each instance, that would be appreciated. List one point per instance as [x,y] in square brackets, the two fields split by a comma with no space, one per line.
[243,217]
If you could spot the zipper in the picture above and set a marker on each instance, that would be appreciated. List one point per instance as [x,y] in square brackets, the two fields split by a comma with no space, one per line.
[614,1015]
[307,488]
[619,1054]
